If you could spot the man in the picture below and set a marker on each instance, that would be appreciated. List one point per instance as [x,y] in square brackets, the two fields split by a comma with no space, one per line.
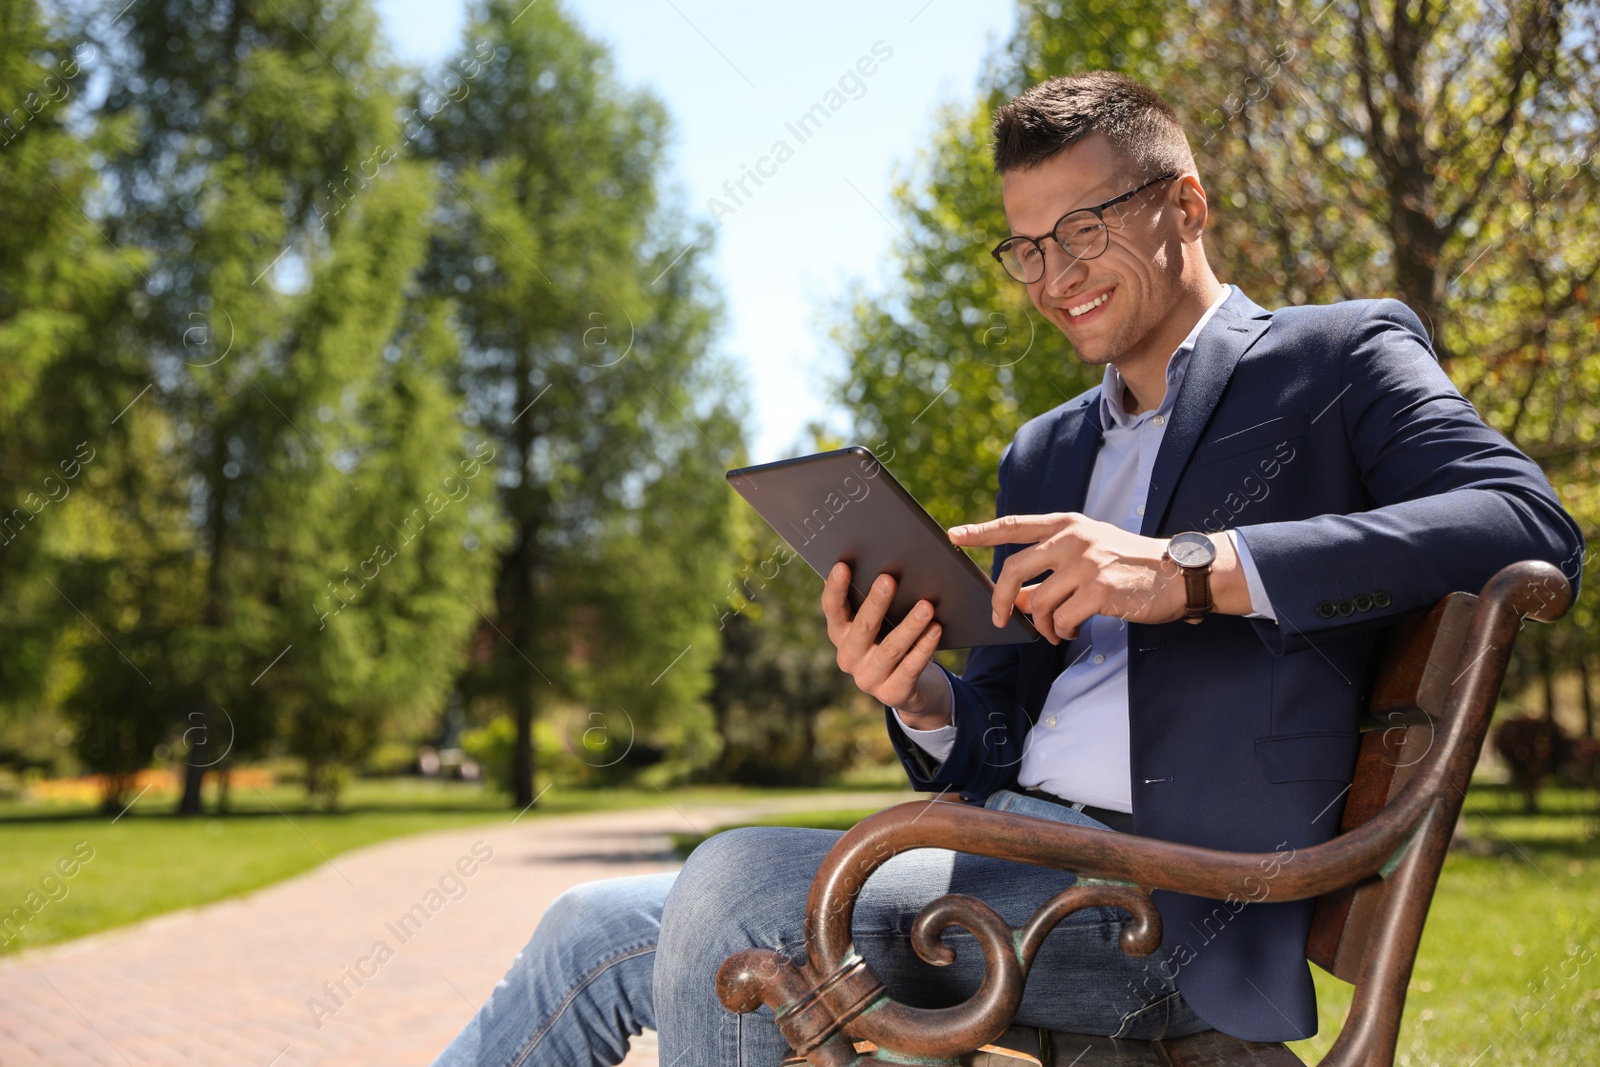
[1209,542]
[1340,477]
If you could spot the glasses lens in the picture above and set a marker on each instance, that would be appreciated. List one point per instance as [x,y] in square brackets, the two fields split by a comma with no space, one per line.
[1082,234]
[1022,260]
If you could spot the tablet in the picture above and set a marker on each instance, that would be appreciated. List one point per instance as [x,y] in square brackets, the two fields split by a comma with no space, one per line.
[845,505]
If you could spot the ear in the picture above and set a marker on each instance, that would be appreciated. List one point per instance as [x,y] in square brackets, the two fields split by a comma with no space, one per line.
[1192,210]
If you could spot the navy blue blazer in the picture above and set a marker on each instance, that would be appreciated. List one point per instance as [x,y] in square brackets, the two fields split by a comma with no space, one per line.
[1366,487]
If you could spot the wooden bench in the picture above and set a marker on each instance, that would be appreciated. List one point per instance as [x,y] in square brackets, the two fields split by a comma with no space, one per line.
[1434,693]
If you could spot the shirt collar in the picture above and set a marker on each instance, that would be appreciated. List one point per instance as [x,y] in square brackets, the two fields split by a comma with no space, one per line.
[1111,412]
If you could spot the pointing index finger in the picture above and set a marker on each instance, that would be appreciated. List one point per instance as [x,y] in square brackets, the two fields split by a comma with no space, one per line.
[1007,530]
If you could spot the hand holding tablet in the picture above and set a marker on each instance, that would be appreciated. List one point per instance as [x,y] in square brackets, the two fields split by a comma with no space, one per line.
[845,507]
[892,667]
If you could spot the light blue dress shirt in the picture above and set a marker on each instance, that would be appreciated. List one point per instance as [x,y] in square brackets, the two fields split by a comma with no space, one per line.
[1078,748]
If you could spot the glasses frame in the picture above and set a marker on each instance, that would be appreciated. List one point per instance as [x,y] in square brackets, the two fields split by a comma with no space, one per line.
[1098,211]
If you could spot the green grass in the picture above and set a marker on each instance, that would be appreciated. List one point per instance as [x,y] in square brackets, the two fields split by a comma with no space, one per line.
[147,862]
[1508,973]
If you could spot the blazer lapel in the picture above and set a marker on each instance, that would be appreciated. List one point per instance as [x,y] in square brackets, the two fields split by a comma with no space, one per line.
[1064,487]
[1072,456]
[1237,324]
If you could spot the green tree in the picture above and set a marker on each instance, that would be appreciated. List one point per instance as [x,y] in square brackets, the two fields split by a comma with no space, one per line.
[59,280]
[63,290]
[585,316]
[303,389]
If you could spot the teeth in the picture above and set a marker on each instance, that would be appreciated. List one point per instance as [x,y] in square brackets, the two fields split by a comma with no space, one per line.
[1090,306]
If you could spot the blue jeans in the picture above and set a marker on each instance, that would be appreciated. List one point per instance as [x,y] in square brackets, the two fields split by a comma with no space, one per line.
[613,957]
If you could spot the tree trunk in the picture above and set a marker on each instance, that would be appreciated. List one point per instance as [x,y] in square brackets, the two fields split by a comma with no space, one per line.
[1549,685]
[521,611]
[195,735]
[194,777]
[522,769]
[520,600]
[1588,697]
[197,724]
[117,786]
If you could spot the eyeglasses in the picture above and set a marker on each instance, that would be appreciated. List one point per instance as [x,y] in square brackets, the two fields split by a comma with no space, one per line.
[1081,234]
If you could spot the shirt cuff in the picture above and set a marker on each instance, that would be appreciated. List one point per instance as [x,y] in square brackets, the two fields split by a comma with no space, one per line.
[1260,605]
[936,742]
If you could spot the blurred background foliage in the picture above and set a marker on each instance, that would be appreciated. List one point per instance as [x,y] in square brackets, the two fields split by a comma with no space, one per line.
[356,418]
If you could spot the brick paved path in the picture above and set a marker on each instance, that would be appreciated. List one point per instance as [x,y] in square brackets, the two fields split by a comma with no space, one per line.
[229,983]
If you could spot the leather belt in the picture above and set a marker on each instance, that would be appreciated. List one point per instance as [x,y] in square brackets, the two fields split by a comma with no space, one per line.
[1121,821]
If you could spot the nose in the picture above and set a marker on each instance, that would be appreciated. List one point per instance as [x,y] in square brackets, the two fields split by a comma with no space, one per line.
[1062,272]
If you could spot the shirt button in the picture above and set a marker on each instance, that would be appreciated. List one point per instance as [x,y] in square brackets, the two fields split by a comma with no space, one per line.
[1141,509]
[1051,721]
[1159,420]
[1099,659]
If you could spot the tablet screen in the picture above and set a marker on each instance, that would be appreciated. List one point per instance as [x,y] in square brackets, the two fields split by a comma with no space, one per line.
[845,505]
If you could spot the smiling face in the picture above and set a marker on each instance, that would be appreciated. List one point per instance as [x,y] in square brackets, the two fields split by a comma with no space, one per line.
[1140,279]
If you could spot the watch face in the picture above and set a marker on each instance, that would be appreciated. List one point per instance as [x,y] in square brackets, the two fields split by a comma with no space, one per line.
[1192,550]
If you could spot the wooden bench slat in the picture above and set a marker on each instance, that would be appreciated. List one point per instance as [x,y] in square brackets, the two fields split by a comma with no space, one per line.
[1408,697]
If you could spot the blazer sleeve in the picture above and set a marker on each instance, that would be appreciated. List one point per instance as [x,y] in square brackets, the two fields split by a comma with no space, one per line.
[991,725]
[1453,500]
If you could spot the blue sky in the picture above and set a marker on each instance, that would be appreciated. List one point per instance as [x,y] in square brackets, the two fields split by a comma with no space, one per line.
[732,75]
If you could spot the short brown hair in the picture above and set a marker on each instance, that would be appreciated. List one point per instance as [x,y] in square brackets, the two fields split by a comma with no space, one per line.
[1042,121]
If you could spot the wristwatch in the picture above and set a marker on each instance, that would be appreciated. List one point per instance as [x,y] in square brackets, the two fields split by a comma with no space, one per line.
[1194,553]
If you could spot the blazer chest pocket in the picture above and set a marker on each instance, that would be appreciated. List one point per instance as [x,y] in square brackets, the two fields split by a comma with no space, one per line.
[1264,434]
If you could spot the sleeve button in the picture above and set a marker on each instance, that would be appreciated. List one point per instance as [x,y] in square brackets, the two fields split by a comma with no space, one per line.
[1345,608]
[1381,599]
[1326,609]
[1363,602]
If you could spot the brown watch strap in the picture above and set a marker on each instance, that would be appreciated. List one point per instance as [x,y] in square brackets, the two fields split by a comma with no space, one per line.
[1197,583]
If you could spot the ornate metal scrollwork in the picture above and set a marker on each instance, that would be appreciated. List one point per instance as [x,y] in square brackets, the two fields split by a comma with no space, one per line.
[823,1009]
